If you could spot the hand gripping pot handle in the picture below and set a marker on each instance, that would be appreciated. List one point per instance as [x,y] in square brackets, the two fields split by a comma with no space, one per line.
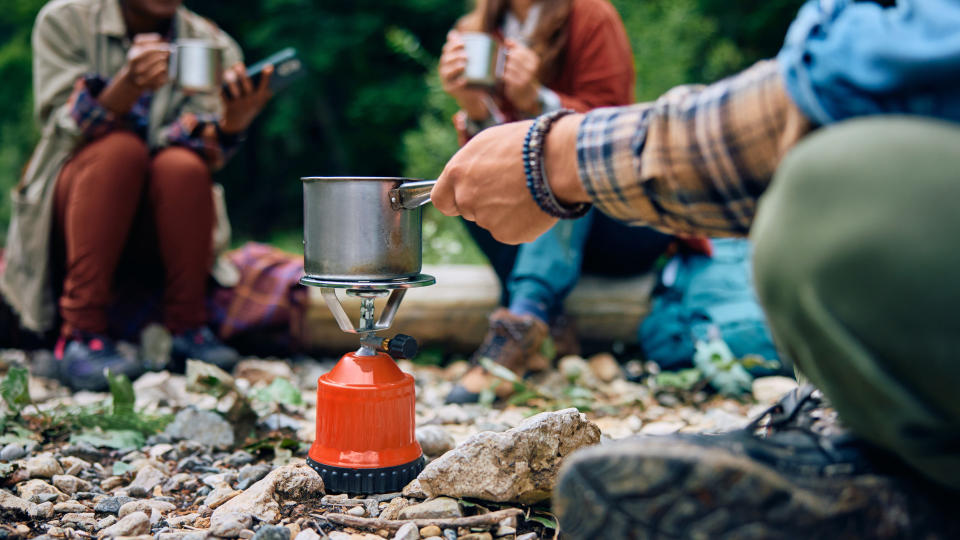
[411,195]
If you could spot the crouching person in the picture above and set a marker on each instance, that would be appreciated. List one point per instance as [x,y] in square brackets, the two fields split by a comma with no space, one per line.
[121,179]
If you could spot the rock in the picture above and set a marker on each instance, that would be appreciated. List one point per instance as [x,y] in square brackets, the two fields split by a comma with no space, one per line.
[74,465]
[69,507]
[15,506]
[162,452]
[147,478]
[441,507]
[43,466]
[230,526]
[219,496]
[430,530]
[262,371]
[661,428]
[85,521]
[414,490]
[272,532]
[768,390]
[205,427]
[505,531]
[518,465]
[296,482]
[393,508]
[528,536]
[605,367]
[239,458]
[43,511]
[358,511]
[477,536]
[449,534]
[434,440]
[252,473]
[134,524]
[577,369]
[38,491]
[111,505]
[307,534]
[161,388]
[12,451]
[178,522]
[407,532]
[111,483]
[147,506]
[70,484]
[106,522]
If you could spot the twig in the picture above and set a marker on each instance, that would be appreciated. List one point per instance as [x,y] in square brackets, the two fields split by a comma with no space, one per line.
[491,518]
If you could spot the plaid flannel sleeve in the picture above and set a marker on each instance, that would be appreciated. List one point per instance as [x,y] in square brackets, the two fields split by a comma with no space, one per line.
[695,161]
[93,119]
[190,131]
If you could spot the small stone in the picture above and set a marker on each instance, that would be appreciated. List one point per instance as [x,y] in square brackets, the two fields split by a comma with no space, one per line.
[265,371]
[449,534]
[239,458]
[205,427]
[414,490]
[246,534]
[134,524]
[162,452]
[272,532]
[15,506]
[106,522]
[111,483]
[441,507]
[307,534]
[85,521]
[12,451]
[147,478]
[605,367]
[43,511]
[43,466]
[527,536]
[294,482]
[111,505]
[767,390]
[434,440]
[504,531]
[220,495]
[147,506]
[477,536]
[358,511]
[430,530]
[250,474]
[230,526]
[69,507]
[393,508]
[178,522]
[70,484]
[74,465]
[38,491]
[407,532]
[661,428]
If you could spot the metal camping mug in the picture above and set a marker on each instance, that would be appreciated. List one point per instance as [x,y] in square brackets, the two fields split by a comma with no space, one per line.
[196,65]
[363,228]
[485,59]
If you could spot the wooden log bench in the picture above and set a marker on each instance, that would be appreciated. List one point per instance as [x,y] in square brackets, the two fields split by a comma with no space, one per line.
[453,313]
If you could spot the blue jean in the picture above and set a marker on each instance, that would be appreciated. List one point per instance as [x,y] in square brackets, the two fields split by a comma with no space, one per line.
[539,275]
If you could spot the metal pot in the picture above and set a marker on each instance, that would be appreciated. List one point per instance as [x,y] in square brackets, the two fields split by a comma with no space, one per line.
[196,65]
[363,228]
[485,59]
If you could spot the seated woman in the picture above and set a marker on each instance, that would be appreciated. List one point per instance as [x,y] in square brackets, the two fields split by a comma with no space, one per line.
[121,178]
[561,54]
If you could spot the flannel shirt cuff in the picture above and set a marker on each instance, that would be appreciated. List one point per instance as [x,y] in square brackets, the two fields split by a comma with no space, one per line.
[608,143]
[93,119]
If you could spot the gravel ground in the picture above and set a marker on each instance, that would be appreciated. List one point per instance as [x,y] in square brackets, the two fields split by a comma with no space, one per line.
[64,477]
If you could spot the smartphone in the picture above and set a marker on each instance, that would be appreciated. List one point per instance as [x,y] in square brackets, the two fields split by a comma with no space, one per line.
[287,69]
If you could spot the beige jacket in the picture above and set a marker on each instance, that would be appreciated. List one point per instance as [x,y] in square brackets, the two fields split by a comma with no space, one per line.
[72,38]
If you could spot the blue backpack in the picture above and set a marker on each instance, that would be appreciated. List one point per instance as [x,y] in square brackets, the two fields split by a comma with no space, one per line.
[696,293]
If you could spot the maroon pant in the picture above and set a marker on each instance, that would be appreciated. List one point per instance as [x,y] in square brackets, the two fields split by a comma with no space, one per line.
[113,186]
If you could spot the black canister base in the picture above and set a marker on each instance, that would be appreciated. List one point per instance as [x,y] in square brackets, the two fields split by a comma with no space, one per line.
[367,481]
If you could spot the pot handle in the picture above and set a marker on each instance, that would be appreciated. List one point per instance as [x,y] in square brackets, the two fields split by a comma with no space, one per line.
[410,195]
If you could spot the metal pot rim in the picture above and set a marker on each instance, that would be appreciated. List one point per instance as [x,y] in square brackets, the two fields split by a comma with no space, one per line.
[309,179]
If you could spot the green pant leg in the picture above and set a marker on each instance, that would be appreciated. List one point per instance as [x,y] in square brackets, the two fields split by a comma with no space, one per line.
[858,266]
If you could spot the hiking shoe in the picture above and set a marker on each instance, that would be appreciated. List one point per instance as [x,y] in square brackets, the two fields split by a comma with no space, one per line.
[794,472]
[84,357]
[513,341]
[563,332]
[201,344]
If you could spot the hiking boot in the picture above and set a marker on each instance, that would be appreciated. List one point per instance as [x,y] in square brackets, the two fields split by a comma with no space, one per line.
[563,332]
[201,344]
[794,472]
[84,357]
[513,341]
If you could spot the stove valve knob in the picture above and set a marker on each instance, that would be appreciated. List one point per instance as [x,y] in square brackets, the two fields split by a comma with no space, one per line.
[401,346]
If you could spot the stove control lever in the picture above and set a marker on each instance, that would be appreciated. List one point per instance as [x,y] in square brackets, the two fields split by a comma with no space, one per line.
[400,346]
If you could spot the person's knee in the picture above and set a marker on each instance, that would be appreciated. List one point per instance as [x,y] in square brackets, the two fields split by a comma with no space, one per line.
[179,170]
[123,151]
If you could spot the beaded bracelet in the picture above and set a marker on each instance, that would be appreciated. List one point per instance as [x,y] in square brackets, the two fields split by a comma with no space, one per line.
[533,145]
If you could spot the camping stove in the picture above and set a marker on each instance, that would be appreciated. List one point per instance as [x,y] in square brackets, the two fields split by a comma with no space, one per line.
[365,439]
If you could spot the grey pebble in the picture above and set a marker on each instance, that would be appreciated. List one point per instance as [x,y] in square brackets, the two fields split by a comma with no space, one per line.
[239,458]
[272,532]
[12,451]
[111,505]
[251,474]
[449,534]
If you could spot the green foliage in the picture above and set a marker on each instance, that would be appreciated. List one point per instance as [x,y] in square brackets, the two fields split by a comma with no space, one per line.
[15,389]
[279,391]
